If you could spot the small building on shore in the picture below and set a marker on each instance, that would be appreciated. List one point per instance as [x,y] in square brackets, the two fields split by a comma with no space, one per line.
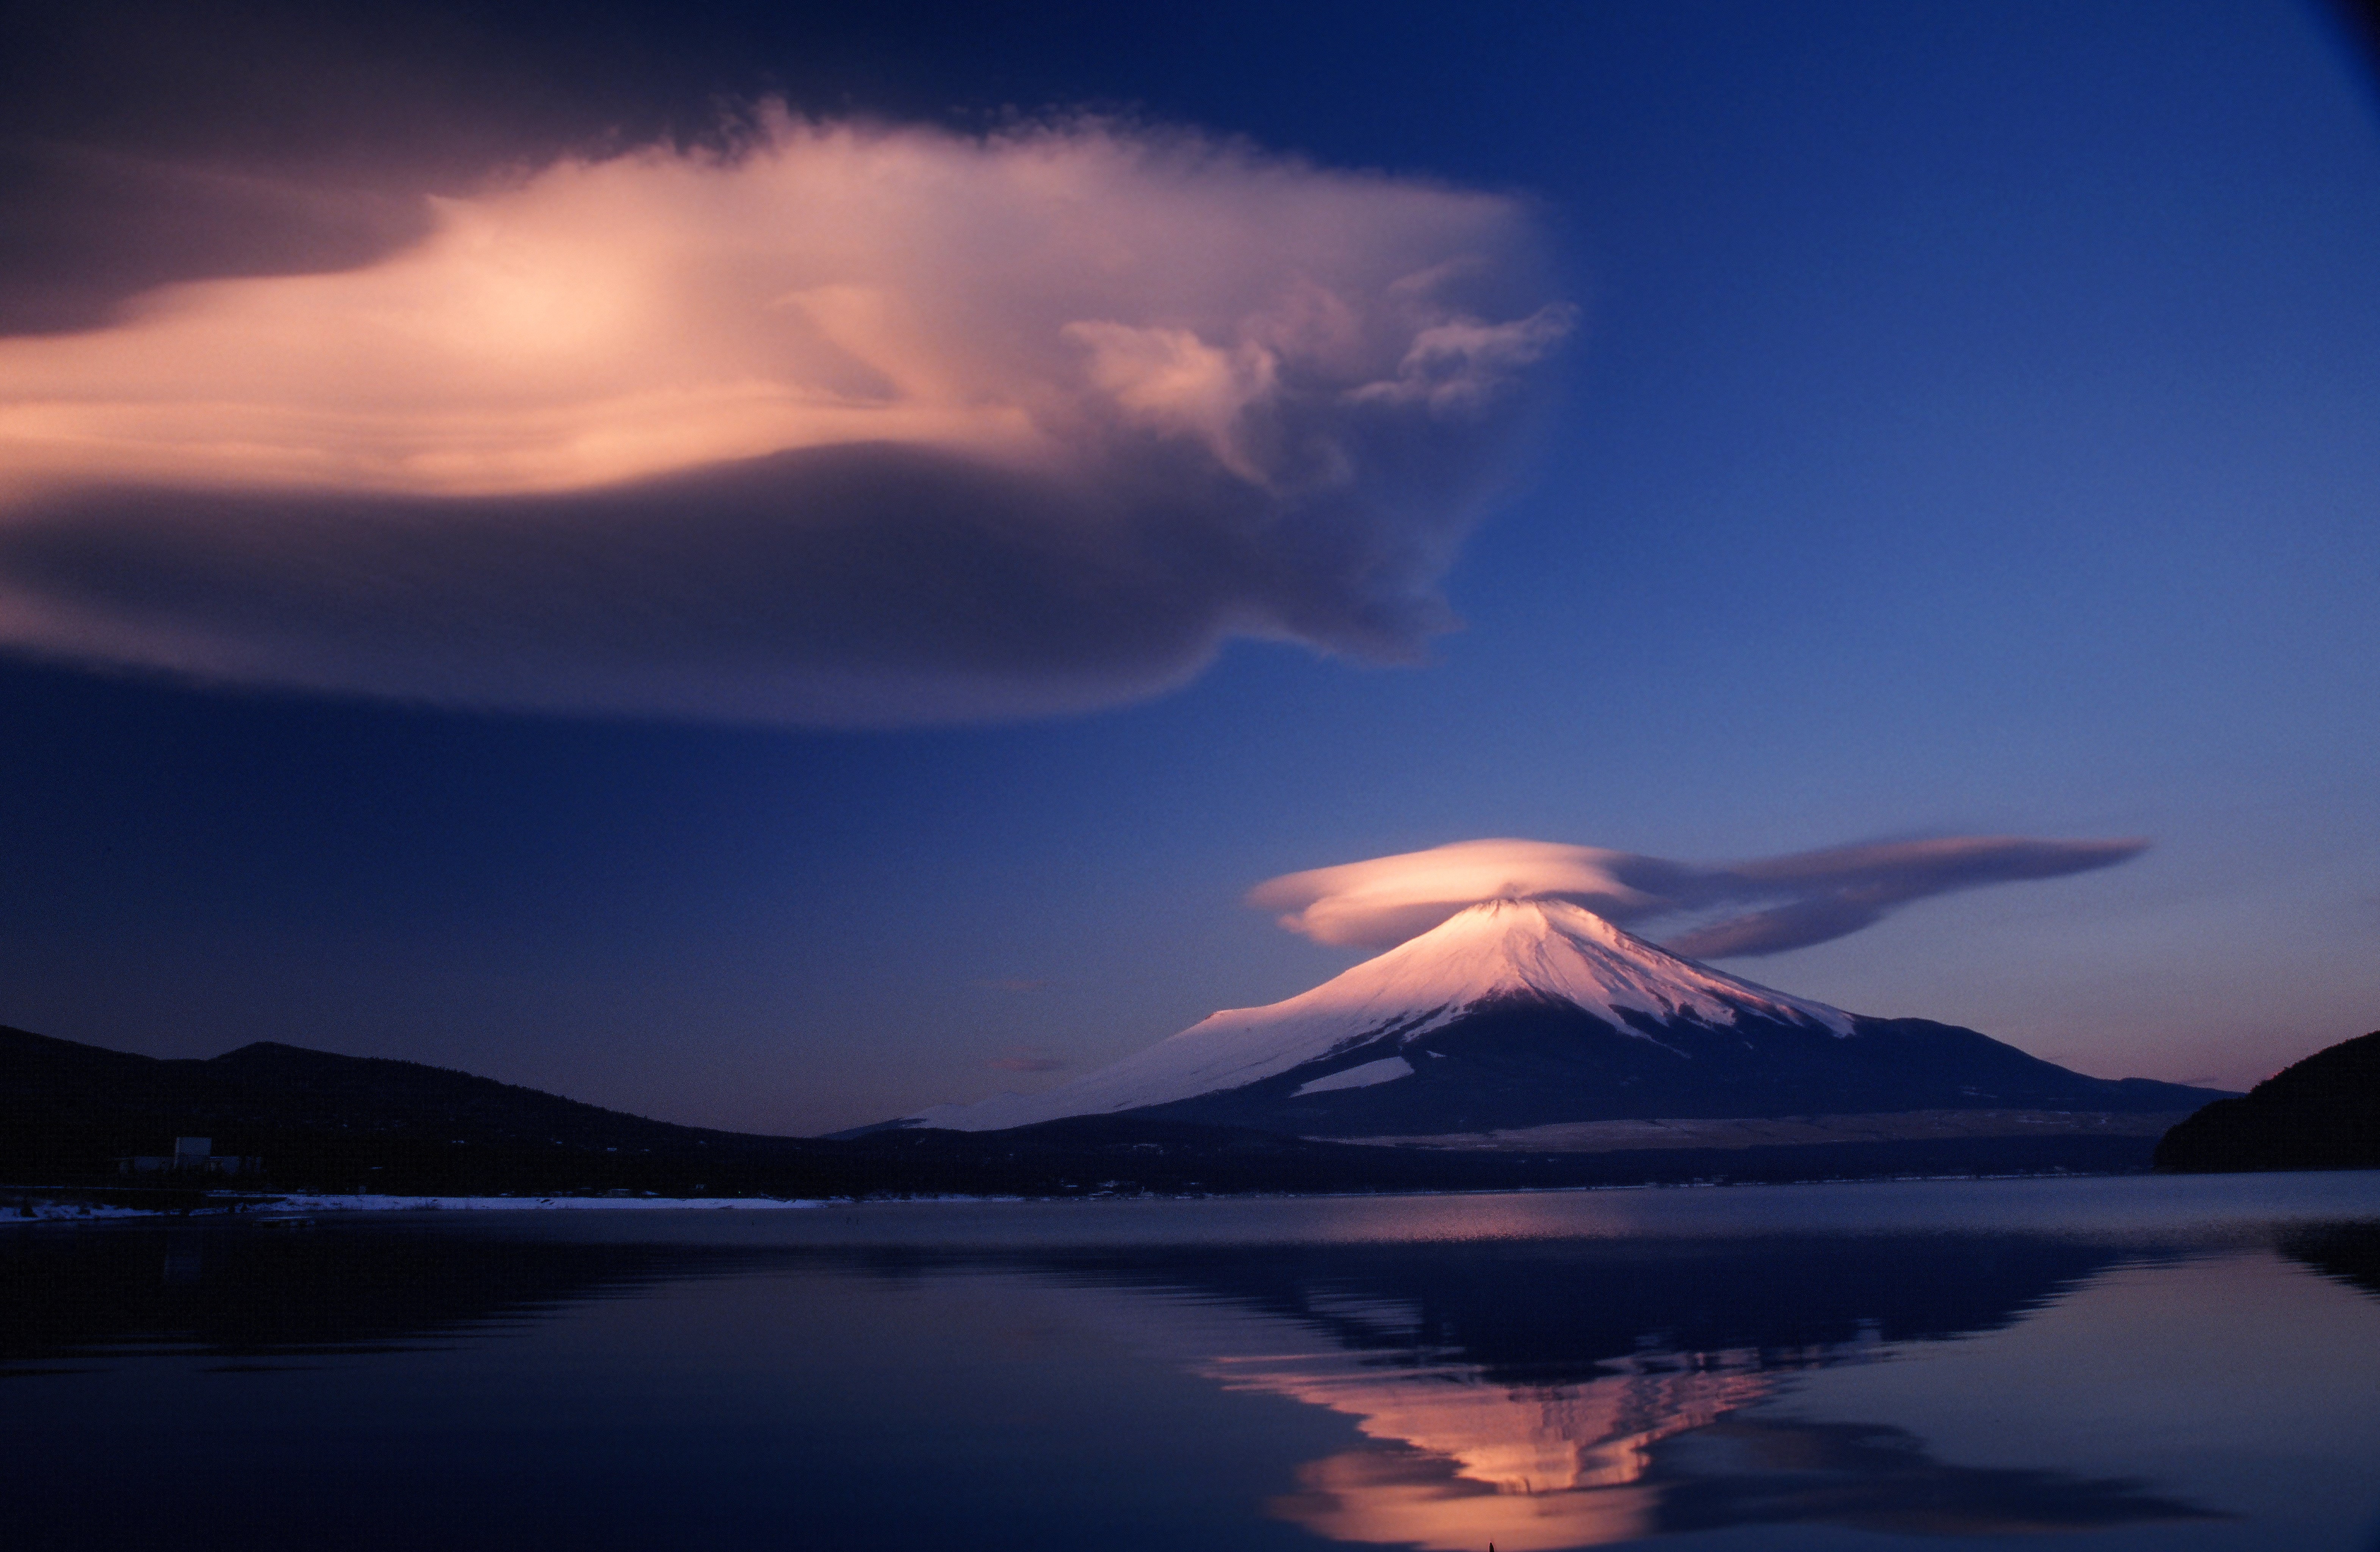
[192,1156]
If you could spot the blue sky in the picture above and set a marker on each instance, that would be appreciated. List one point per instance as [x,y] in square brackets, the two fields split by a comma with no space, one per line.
[1968,427]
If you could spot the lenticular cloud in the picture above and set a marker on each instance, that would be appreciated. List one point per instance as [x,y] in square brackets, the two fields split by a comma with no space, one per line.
[853,425]
[1764,907]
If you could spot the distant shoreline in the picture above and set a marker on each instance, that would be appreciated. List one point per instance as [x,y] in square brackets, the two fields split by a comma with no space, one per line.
[20,1206]
[34,1207]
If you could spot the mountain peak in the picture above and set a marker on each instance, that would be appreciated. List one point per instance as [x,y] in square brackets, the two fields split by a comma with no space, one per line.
[1533,948]
[1552,948]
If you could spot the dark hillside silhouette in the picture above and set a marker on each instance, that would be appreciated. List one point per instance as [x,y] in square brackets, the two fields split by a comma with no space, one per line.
[2323,1114]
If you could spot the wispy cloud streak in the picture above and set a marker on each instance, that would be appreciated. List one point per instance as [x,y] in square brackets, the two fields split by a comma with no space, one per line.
[852,425]
[1764,907]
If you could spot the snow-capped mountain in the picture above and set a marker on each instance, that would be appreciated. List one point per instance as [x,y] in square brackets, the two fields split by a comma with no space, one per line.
[1525,1013]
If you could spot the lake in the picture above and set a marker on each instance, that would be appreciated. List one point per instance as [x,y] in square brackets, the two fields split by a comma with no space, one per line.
[2146,1361]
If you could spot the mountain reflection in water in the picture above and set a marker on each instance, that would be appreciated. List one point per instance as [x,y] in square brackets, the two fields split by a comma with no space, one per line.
[1540,1397]
[1581,1373]
[1647,1454]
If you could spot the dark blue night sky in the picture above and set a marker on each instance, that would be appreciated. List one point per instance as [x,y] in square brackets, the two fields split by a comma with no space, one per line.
[1963,421]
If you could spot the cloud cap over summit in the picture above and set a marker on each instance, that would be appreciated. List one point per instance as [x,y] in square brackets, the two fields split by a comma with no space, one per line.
[1766,905]
[851,424]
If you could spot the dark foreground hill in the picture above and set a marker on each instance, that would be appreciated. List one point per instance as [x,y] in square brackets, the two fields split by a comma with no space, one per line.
[339,1124]
[326,1121]
[2323,1114]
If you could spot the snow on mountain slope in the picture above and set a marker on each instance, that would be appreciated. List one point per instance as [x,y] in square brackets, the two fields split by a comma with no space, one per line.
[1500,947]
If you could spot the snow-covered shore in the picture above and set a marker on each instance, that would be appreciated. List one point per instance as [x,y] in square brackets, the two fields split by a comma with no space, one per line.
[527,1204]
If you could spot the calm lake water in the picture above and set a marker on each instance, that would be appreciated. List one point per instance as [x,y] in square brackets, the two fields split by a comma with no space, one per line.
[2127,1363]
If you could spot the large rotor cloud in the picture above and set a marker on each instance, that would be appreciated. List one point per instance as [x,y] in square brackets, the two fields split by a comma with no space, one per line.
[853,425]
[1759,907]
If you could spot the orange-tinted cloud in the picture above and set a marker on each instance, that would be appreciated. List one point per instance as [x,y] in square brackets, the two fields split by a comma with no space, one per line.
[855,424]
[1764,907]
